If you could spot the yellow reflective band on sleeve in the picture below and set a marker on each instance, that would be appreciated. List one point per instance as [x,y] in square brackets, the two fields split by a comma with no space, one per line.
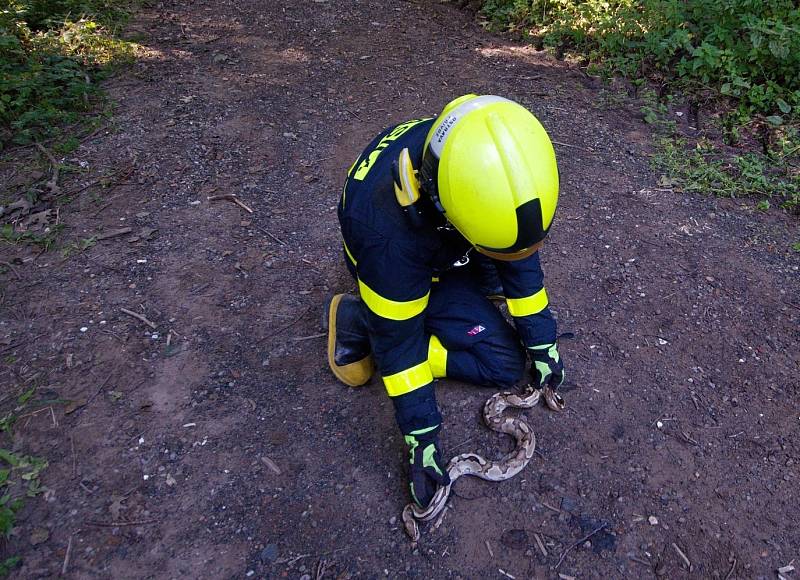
[529,305]
[391,309]
[408,380]
[437,358]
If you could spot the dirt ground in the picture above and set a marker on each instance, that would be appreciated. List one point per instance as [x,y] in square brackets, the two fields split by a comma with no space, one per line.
[218,444]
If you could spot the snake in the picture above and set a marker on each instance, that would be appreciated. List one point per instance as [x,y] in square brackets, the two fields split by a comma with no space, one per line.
[477,466]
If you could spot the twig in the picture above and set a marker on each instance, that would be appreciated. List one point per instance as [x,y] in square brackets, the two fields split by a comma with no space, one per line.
[683,556]
[292,560]
[730,572]
[270,234]
[644,562]
[300,338]
[506,574]
[322,567]
[139,317]
[551,508]
[489,548]
[461,444]
[120,524]
[352,113]
[74,459]
[271,464]
[287,327]
[578,543]
[540,544]
[65,565]
[12,268]
[230,197]
[570,145]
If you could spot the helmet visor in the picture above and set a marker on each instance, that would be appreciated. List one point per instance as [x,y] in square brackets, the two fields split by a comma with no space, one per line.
[513,256]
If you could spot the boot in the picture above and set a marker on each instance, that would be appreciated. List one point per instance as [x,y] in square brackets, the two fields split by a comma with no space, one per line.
[348,340]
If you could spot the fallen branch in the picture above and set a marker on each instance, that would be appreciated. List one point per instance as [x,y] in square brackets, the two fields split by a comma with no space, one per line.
[230,197]
[120,524]
[138,316]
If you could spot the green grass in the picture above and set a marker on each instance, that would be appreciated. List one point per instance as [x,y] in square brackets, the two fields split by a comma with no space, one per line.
[706,169]
[19,473]
[743,51]
[52,56]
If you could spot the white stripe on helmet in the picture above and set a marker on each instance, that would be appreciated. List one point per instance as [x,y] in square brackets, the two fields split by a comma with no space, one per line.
[445,125]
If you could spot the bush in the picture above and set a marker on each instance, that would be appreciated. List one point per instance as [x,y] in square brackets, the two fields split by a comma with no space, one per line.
[747,50]
[51,55]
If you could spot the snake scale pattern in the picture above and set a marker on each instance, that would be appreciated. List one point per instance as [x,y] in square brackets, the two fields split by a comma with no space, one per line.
[475,465]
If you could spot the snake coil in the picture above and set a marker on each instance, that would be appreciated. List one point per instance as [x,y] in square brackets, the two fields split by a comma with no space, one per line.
[475,465]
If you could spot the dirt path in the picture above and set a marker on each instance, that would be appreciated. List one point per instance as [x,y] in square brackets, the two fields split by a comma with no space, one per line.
[223,435]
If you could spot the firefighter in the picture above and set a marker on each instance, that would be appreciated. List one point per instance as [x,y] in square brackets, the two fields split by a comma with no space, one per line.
[436,215]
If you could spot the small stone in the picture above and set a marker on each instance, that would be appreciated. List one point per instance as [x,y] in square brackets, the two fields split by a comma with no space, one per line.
[392,520]
[653,520]
[269,553]
[39,536]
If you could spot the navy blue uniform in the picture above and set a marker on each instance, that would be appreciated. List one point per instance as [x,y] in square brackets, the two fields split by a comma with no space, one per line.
[427,318]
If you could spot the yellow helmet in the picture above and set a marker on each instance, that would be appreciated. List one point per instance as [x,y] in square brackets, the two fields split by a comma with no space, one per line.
[490,168]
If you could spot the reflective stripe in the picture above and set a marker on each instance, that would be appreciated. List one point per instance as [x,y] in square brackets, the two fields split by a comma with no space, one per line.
[437,358]
[368,161]
[349,255]
[392,309]
[529,305]
[408,380]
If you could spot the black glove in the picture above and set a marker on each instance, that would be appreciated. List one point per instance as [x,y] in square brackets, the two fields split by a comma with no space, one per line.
[427,471]
[547,368]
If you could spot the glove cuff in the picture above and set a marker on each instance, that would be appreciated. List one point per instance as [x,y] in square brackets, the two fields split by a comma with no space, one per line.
[417,410]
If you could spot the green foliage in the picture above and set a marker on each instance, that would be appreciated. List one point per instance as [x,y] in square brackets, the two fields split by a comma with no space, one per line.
[705,169]
[45,240]
[19,478]
[77,248]
[7,565]
[52,53]
[746,50]
[18,471]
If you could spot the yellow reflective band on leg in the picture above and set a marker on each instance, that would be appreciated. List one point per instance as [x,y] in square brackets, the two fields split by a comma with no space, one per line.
[529,305]
[349,255]
[408,380]
[437,358]
[392,309]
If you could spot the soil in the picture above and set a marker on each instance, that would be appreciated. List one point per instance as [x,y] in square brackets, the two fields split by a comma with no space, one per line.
[219,445]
